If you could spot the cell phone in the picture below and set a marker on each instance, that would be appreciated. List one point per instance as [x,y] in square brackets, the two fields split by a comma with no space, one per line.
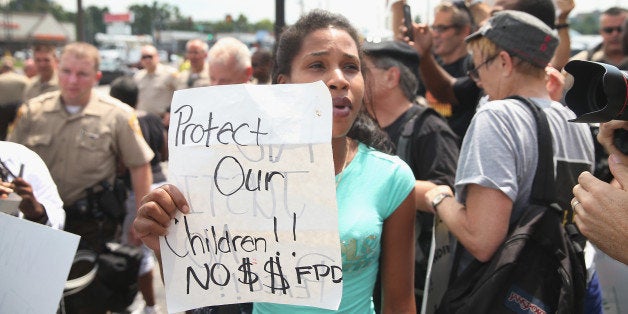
[407,20]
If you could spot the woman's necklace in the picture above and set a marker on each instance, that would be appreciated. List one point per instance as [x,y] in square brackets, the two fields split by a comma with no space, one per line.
[346,161]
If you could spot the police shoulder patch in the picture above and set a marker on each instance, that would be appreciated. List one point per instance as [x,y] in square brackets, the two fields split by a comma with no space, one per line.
[135,124]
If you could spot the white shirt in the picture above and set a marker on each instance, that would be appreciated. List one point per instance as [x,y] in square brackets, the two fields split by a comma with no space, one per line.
[36,173]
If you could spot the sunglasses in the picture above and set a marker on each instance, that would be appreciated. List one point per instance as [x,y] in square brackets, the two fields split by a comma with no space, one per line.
[609,30]
[442,28]
[473,73]
[147,57]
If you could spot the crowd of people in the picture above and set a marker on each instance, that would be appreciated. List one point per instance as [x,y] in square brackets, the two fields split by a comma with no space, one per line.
[431,126]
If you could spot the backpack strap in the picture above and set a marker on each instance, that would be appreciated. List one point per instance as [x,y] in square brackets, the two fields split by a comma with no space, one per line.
[416,114]
[543,186]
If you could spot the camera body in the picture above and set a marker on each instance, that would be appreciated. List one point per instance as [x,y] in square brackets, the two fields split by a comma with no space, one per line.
[599,94]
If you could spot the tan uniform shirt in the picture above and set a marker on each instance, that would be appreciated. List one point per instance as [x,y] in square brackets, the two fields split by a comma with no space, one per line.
[36,87]
[80,149]
[156,89]
[12,86]
[187,79]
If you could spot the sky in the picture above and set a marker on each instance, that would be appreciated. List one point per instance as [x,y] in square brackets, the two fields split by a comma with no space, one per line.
[366,15]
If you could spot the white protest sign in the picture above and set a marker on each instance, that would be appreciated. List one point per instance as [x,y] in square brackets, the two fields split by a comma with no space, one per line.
[34,264]
[255,164]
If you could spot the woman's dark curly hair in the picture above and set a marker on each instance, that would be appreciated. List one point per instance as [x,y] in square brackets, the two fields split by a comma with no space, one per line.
[365,128]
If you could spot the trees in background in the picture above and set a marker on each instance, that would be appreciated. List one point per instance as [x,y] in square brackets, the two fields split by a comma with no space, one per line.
[164,16]
[148,18]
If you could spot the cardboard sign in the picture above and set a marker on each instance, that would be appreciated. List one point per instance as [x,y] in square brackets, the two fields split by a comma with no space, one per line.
[255,165]
[34,264]
[439,266]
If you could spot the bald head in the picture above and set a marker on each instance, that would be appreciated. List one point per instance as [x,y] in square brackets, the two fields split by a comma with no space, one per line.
[150,58]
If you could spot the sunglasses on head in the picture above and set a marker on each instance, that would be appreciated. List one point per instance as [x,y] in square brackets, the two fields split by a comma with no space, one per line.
[609,30]
[462,5]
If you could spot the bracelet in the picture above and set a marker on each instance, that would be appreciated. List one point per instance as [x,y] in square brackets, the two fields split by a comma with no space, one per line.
[560,26]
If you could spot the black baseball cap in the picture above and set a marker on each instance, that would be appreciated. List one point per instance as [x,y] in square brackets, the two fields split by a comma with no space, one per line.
[398,50]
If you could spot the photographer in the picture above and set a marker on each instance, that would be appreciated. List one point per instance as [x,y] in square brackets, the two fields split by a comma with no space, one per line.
[601,208]
[23,172]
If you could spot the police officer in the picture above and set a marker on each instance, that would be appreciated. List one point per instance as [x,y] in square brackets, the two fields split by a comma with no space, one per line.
[81,135]
[157,82]
[12,87]
[46,79]
[198,74]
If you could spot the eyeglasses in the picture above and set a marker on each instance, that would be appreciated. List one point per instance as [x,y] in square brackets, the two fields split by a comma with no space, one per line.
[442,28]
[609,30]
[147,57]
[474,74]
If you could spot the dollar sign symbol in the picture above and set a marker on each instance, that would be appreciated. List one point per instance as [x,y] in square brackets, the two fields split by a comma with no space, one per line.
[273,267]
[248,277]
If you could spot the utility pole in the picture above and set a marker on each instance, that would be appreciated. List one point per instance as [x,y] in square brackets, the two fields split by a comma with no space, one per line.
[80,27]
[280,17]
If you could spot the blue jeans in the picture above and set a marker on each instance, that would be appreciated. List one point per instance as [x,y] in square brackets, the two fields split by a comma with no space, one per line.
[593,299]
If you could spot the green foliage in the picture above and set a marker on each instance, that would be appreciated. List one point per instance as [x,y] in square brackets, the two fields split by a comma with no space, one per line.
[586,23]
[264,24]
[94,22]
[143,19]
[148,18]
[42,6]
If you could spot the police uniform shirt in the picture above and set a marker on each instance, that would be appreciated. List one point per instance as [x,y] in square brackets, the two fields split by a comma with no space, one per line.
[80,149]
[187,79]
[12,86]
[37,87]
[156,89]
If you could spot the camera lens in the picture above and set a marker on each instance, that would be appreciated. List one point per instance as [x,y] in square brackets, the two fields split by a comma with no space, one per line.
[599,92]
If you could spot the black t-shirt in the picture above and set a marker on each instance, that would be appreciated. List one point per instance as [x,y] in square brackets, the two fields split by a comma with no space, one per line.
[468,94]
[153,132]
[468,98]
[433,147]
[459,67]
[465,90]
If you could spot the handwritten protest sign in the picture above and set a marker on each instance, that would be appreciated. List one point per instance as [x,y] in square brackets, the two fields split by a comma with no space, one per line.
[255,164]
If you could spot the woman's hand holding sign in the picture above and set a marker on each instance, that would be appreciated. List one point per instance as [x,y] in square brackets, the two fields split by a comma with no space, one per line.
[157,210]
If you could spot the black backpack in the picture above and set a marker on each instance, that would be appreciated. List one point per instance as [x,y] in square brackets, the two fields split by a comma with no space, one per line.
[539,268]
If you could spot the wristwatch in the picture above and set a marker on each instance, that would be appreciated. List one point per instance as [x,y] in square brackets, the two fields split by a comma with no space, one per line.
[439,198]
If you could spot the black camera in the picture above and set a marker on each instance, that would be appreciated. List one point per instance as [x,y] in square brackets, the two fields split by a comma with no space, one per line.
[599,94]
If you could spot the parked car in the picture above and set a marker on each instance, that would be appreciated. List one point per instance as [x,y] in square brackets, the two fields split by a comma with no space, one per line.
[111,69]
[581,42]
